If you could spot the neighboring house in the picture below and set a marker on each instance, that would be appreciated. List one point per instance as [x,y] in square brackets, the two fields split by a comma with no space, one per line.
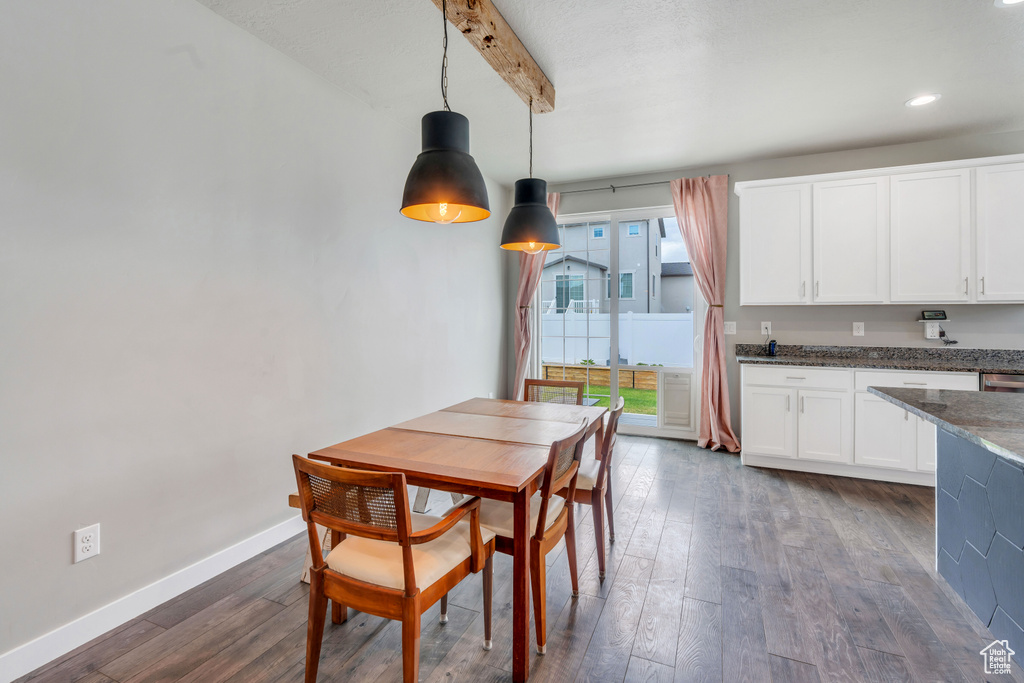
[677,288]
[575,270]
[573,281]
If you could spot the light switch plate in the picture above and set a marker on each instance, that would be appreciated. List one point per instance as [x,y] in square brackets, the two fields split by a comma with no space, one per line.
[730,327]
[858,329]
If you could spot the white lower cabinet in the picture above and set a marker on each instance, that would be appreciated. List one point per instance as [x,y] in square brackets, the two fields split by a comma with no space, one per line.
[824,420]
[771,427]
[886,434]
[926,443]
[826,426]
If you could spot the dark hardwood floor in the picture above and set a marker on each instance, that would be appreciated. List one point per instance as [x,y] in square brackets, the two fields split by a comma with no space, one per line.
[718,573]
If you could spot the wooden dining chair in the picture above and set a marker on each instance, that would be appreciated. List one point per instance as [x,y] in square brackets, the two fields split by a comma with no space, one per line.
[385,561]
[550,519]
[553,391]
[594,484]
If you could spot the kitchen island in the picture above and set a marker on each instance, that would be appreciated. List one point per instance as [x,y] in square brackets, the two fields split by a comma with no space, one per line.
[979,499]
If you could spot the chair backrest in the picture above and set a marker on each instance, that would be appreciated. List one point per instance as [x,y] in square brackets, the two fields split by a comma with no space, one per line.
[553,391]
[560,470]
[368,504]
[608,445]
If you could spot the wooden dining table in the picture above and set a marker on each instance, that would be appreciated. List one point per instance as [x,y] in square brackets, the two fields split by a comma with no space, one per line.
[481,447]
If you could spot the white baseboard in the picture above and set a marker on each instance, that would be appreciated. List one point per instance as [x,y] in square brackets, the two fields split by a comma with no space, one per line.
[840,469]
[60,641]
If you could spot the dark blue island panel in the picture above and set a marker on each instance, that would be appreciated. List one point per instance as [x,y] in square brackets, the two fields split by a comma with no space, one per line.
[979,504]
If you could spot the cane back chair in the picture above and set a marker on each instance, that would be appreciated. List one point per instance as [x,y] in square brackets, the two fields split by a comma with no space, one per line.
[550,519]
[385,560]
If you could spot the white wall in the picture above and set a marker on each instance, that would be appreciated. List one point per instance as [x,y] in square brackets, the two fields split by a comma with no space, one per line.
[202,271]
[977,326]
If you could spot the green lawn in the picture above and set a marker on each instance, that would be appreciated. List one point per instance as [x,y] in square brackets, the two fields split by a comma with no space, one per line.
[638,401]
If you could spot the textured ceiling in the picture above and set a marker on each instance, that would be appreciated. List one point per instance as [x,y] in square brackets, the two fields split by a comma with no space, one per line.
[651,85]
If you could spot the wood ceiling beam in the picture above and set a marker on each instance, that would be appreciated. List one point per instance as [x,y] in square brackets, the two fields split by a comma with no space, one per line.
[485,28]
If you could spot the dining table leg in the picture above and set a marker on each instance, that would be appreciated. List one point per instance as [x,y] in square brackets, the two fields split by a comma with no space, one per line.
[521,586]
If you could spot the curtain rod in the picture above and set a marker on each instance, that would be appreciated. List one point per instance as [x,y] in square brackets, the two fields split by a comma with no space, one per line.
[613,188]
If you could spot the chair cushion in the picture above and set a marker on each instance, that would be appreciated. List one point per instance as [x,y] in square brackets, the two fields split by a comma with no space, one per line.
[497,515]
[380,562]
[587,478]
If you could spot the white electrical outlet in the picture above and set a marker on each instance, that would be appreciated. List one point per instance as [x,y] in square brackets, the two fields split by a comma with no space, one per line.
[858,329]
[87,542]
[931,330]
[730,327]
[766,329]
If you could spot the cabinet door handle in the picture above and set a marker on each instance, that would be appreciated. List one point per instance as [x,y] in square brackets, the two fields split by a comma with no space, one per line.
[906,416]
[796,378]
[787,402]
[917,384]
[965,285]
[803,289]
[983,284]
[801,405]
[817,288]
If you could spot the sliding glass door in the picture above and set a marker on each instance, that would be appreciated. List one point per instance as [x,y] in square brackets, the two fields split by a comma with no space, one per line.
[620,312]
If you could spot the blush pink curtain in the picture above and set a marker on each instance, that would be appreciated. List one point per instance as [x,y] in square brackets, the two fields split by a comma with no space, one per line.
[531,266]
[701,206]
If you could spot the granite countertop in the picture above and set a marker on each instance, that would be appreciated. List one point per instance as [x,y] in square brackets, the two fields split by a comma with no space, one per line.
[999,361]
[993,420]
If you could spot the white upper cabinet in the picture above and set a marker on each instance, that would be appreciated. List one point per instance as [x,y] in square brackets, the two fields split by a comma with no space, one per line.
[1000,232]
[775,245]
[930,244]
[947,232]
[851,234]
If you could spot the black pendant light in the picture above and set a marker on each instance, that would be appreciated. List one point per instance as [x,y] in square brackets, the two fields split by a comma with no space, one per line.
[530,227]
[445,185]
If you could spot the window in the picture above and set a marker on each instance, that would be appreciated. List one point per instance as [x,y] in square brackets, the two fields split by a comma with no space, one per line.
[598,232]
[625,285]
[568,288]
[633,230]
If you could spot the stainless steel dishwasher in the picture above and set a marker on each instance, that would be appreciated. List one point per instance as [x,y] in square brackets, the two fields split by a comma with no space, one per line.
[1004,383]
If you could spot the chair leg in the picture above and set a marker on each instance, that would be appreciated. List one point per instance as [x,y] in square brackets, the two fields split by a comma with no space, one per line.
[608,509]
[422,498]
[570,552]
[339,612]
[315,626]
[597,508]
[488,594]
[538,579]
[410,642]
[444,609]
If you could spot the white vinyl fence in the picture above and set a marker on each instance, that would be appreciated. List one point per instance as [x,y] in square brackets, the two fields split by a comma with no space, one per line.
[651,338]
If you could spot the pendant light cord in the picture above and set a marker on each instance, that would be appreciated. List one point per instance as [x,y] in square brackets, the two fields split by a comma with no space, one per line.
[531,137]
[444,59]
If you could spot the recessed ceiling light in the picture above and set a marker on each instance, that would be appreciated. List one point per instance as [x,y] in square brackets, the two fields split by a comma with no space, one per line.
[922,100]
[1008,3]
